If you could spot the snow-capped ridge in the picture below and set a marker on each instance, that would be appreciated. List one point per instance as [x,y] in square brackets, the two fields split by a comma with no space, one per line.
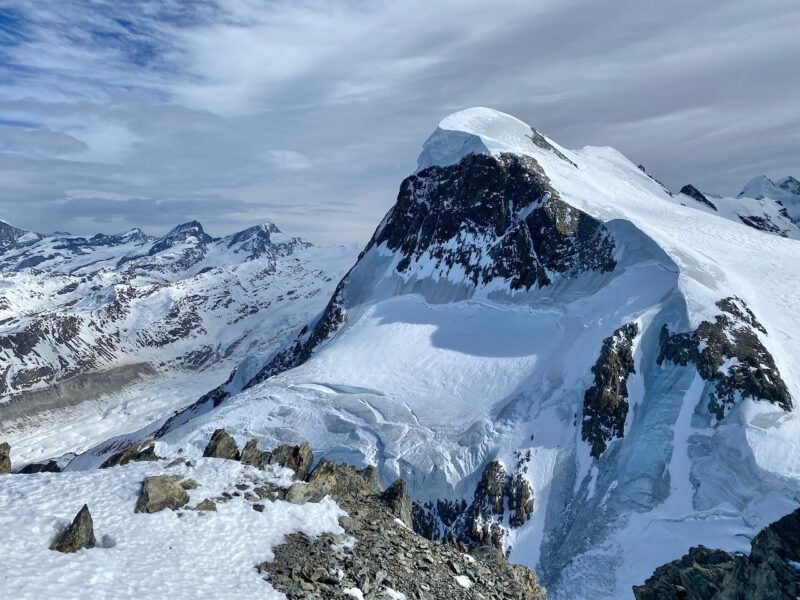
[481,130]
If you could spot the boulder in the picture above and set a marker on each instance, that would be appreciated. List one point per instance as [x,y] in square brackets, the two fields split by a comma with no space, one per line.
[300,493]
[79,534]
[297,458]
[222,445]
[206,505]
[399,502]
[160,492]
[337,481]
[344,479]
[254,457]
[145,451]
[5,458]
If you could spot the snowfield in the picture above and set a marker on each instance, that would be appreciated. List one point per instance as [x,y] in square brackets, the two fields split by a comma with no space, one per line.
[169,554]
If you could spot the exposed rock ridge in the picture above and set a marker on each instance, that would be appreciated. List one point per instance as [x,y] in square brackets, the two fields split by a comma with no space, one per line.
[499,498]
[729,353]
[764,223]
[696,194]
[770,572]
[605,404]
[379,555]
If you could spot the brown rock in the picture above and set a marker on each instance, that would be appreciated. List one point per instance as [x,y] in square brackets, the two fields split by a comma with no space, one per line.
[160,492]
[79,534]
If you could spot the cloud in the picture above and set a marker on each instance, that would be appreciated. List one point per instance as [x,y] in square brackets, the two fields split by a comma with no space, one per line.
[39,142]
[310,112]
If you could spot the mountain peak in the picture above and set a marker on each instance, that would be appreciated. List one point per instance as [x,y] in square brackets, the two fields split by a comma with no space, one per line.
[481,130]
[760,187]
[181,233]
[790,184]
[188,227]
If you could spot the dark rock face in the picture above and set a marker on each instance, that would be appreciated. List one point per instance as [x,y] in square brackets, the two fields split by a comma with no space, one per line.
[49,466]
[771,572]
[222,445]
[5,458]
[79,534]
[137,452]
[605,404]
[642,168]
[733,339]
[10,237]
[398,501]
[480,523]
[160,492]
[693,192]
[490,217]
[763,224]
[386,555]
[455,215]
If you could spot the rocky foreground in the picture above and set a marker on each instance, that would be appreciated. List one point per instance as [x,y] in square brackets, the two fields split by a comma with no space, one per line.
[375,555]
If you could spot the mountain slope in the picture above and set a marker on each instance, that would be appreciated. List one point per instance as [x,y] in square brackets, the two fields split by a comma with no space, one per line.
[82,318]
[761,205]
[557,364]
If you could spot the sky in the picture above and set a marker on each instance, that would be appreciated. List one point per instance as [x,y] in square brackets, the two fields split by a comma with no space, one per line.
[309,113]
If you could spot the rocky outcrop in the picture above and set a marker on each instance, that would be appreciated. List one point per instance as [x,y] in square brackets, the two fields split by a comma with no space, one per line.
[486,218]
[379,556]
[605,404]
[728,353]
[144,451]
[222,445]
[79,534]
[338,481]
[49,466]
[696,194]
[398,501]
[770,572]
[493,217]
[763,223]
[160,492]
[5,458]
[297,458]
[498,498]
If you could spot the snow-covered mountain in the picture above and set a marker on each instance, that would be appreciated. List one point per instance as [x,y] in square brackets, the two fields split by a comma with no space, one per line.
[559,357]
[556,354]
[83,318]
[762,204]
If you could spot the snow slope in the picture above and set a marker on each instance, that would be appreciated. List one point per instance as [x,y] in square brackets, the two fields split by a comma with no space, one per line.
[433,358]
[183,554]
